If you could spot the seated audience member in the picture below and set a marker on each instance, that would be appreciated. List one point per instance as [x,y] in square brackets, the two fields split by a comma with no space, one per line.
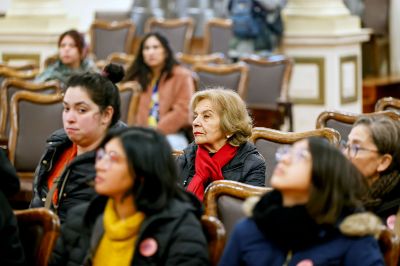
[11,251]
[71,59]
[309,217]
[221,128]
[374,148]
[9,181]
[167,88]
[141,217]
[65,171]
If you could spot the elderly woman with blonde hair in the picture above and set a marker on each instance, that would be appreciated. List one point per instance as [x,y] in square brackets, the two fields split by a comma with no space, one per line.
[221,128]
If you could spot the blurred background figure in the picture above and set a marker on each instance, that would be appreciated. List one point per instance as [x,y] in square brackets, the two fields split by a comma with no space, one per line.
[257,26]
[221,129]
[374,148]
[71,59]
[310,216]
[142,217]
[167,88]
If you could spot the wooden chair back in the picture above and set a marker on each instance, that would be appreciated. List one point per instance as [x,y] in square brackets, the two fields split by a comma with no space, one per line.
[189,60]
[388,103]
[10,87]
[389,243]
[217,34]
[130,94]
[343,121]
[179,31]
[38,230]
[216,237]
[34,117]
[223,199]
[110,37]
[268,140]
[268,89]
[229,76]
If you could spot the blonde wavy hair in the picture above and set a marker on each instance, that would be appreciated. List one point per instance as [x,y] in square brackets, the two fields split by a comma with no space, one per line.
[235,119]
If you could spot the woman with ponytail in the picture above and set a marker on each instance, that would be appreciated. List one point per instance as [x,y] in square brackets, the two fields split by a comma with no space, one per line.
[66,170]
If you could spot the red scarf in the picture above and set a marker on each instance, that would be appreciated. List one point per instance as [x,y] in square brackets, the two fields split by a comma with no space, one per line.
[209,169]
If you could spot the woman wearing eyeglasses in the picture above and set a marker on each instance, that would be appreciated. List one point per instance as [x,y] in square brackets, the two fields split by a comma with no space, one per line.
[142,217]
[374,148]
[311,215]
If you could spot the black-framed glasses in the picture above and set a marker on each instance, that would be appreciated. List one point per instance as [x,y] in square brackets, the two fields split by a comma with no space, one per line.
[296,155]
[353,149]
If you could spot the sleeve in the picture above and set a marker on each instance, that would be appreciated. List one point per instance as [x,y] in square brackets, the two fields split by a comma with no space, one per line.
[188,245]
[364,252]
[178,116]
[232,252]
[255,170]
[9,181]
[60,255]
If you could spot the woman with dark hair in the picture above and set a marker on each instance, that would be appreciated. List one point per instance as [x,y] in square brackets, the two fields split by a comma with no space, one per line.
[71,59]
[312,217]
[374,148]
[167,88]
[91,107]
[141,217]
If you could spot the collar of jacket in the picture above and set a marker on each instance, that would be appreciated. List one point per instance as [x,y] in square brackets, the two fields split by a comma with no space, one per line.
[244,150]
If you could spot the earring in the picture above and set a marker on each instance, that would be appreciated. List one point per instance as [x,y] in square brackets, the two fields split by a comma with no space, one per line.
[228,136]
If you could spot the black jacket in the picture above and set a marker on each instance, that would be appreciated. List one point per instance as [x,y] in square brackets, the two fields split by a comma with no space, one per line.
[9,181]
[75,185]
[11,251]
[176,229]
[248,166]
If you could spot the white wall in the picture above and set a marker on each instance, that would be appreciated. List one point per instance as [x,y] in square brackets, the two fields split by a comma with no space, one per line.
[84,9]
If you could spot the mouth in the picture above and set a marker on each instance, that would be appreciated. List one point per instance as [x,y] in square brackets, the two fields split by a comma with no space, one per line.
[71,130]
[278,170]
[197,133]
[98,180]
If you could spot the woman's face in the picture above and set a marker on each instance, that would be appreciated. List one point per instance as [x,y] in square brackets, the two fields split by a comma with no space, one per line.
[206,126]
[113,178]
[83,122]
[367,158]
[154,53]
[69,53]
[292,175]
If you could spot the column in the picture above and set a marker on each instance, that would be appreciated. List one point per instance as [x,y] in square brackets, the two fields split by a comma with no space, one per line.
[324,40]
[30,29]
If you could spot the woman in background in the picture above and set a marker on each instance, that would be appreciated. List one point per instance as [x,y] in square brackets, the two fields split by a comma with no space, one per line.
[312,215]
[142,217]
[71,59]
[167,88]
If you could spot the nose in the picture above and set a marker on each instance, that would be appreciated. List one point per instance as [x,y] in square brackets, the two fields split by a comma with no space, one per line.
[69,117]
[196,122]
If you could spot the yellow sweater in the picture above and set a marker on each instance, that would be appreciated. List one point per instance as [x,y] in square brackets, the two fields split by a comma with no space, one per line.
[117,245]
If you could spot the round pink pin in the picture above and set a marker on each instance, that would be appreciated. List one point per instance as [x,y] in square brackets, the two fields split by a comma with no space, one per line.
[306,262]
[148,247]
[391,221]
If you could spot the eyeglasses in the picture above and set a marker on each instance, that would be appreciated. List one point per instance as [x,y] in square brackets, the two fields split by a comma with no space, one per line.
[296,155]
[108,158]
[353,149]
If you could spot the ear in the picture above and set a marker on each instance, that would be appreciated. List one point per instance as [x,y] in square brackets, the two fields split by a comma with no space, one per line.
[384,162]
[107,115]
